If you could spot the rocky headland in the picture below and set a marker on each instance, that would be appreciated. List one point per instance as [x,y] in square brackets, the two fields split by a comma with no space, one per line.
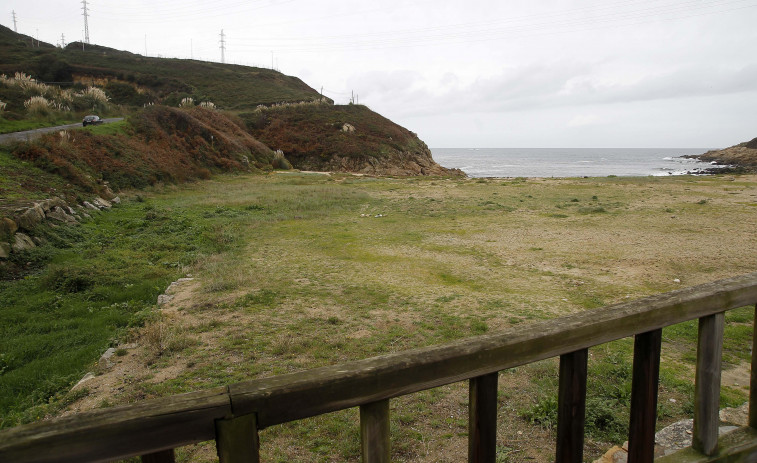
[741,158]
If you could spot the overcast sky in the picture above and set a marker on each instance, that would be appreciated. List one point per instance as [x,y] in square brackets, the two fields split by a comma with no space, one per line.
[475,73]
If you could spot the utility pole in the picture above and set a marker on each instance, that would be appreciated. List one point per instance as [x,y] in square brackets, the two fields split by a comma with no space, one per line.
[86,22]
[15,29]
[223,47]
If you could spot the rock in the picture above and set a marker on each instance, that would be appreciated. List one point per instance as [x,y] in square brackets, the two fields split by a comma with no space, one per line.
[172,287]
[116,200]
[81,382]
[738,416]
[349,128]
[7,227]
[107,191]
[30,218]
[105,361]
[60,215]
[22,243]
[89,205]
[45,205]
[614,455]
[39,241]
[5,250]
[56,202]
[101,203]
[70,210]
[164,299]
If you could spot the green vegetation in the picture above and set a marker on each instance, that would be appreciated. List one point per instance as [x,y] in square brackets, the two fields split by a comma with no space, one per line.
[296,271]
[135,80]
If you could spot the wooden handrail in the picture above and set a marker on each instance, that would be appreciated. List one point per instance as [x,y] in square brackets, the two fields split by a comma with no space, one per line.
[160,424]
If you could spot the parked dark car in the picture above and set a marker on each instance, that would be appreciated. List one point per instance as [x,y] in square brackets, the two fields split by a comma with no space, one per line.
[91,120]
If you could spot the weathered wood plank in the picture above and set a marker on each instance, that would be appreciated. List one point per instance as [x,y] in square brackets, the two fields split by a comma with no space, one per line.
[164,456]
[644,388]
[120,432]
[571,407]
[482,419]
[707,384]
[374,432]
[237,440]
[753,380]
[299,395]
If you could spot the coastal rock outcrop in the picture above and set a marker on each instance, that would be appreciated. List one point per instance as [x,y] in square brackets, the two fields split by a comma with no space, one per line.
[742,156]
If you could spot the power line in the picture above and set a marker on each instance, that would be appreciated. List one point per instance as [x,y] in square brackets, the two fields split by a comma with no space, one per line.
[86,22]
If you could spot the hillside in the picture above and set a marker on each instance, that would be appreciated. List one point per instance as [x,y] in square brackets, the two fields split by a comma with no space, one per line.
[743,155]
[348,138]
[132,79]
[281,111]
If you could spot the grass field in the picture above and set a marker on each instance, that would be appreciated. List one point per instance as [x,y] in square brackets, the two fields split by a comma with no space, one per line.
[294,271]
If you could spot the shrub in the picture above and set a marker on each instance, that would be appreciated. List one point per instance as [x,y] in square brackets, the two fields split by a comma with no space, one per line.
[38,106]
[91,97]
[280,162]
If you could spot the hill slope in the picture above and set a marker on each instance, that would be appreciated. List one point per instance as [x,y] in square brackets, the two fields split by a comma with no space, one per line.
[349,138]
[281,111]
[134,79]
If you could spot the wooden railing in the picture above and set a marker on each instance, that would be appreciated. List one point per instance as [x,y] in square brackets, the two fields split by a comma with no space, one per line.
[233,415]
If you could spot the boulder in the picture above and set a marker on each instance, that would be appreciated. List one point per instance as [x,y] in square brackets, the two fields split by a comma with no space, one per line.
[45,205]
[22,242]
[57,202]
[116,200]
[349,128]
[89,205]
[101,203]
[5,250]
[107,192]
[7,227]
[30,218]
[105,360]
[60,215]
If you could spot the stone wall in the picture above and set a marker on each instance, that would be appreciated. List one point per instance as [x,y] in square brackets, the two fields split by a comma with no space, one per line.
[17,231]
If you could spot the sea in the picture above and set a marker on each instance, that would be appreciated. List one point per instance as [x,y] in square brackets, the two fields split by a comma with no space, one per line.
[571,162]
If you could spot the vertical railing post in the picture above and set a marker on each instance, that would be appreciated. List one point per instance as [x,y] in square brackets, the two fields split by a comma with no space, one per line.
[164,456]
[374,432]
[482,419]
[237,440]
[707,383]
[571,407]
[753,381]
[644,388]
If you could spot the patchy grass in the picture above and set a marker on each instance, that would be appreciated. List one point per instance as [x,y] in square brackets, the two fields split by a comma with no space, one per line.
[296,271]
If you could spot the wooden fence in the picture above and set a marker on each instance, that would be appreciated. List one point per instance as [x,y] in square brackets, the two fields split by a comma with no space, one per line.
[232,415]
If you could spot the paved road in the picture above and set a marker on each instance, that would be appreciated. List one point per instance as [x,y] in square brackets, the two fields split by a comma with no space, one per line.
[29,134]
